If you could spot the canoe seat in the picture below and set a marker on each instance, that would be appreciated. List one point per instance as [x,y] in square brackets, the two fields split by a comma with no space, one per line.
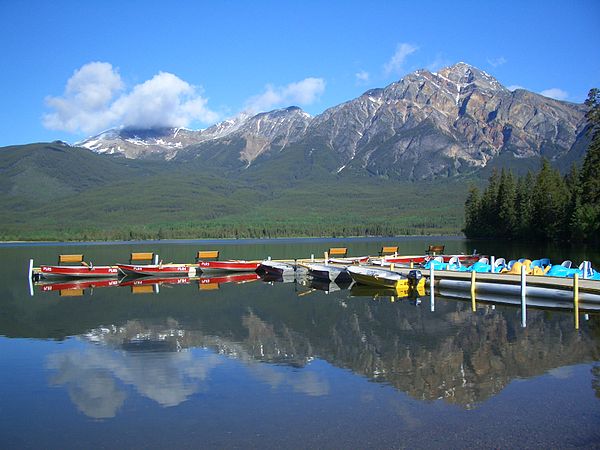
[204,255]
[338,251]
[141,256]
[435,250]
[63,259]
[393,250]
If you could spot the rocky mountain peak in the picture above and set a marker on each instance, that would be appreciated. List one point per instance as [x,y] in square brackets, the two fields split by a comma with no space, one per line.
[427,124]
[464,74]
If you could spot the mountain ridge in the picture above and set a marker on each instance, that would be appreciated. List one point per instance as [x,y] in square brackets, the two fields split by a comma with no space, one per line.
[425,125]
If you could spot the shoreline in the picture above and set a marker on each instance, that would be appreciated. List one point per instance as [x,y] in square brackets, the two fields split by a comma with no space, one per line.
[232,240]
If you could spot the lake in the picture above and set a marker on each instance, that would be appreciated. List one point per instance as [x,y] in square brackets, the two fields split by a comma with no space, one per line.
[244,363]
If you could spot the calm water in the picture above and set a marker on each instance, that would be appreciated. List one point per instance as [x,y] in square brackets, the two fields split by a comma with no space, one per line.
[252,364]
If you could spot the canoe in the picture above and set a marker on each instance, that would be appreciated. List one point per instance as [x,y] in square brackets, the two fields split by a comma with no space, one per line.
[150,280]
[350,260]
[236,278]
[275,268]
[76,284]
[83,271]
[164,270]
[228,266]
[329,272]
[383,278]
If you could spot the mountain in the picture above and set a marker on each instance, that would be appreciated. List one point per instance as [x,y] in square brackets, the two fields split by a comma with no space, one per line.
[285,173]
[456,121]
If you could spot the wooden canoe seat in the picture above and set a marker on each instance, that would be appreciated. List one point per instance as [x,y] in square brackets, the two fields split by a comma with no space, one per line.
[62,259]
[208,286]
[393,250]
[70,292]
[339,252]
[203,255]
[435,250]
[147,289]
[141,256]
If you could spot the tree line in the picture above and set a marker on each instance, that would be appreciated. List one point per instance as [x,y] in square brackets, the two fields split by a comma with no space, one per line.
[544,205]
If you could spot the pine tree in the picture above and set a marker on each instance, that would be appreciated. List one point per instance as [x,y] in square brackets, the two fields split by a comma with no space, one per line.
[489,206]
[573,183]
[590,172]
[550,198]
[506,205]
[472,213]
[586,217]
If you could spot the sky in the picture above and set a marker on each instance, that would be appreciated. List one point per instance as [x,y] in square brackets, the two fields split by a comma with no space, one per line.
[72,69]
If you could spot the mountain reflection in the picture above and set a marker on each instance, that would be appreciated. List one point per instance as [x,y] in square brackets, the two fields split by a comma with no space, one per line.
[156,361]
[452,353]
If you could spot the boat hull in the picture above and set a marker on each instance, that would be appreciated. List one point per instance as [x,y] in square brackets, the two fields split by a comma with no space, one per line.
[228,266]
[77,284]
[158,270]
[79,271]
[382,278]
[328,272]
[275,268]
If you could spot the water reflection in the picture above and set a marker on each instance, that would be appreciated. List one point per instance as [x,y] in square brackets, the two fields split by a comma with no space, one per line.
[167,349]
[157,362]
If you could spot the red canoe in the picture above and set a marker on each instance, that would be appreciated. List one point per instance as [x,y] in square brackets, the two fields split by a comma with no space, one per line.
[155,280]
[77,284]
[78,271]
[241,278]
[228,266]
[162,270]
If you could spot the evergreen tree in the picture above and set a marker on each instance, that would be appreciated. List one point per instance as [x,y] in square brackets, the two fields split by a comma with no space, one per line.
[573,183]
[586,217]
[506,205]
[550,198]
[472,213]
[590,172]
[489,206]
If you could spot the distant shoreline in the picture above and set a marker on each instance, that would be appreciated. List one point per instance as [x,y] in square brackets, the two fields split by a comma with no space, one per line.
[230,241]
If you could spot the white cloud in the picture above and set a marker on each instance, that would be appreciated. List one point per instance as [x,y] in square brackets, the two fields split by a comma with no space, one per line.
[94,100]
[514,87]
[303,92]
[396,62]
[165,100]
[495,62]
[362,77]
[555,93]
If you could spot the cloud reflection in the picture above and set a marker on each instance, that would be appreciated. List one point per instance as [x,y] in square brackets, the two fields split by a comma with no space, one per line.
[92,376]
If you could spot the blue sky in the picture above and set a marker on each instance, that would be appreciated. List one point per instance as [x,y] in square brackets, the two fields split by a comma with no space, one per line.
[72,68]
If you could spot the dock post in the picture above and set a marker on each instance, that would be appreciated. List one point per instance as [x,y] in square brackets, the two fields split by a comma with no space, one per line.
[312,257]
[392,266]
[576,299]
[431,283]
[326,257]
[268,258]
[155,259]
[492,262]
[31,277]
[412,264]
[523,297]
[473,284]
